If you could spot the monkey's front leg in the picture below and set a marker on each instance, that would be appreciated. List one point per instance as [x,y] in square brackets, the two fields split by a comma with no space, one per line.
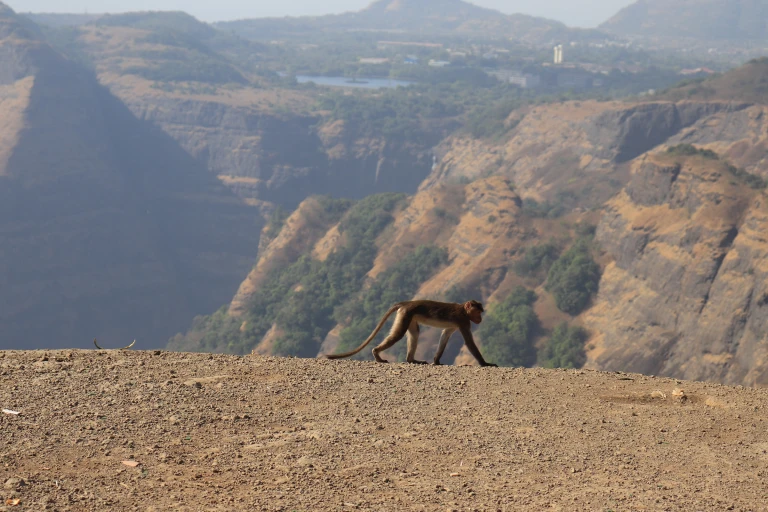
[444,337]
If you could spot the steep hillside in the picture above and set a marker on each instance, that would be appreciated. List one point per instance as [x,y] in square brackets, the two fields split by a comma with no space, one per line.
[685,294]
[701,19]
[108,228]
[577,152]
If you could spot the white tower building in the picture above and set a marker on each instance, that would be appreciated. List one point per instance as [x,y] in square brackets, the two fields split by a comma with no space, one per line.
[559,54]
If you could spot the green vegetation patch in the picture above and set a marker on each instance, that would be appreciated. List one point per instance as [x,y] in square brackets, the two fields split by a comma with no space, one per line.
[691,150]
[301,298]
[396,115]
[752,180]
[491,122]
[573,278]
[194,68]
[565,348]
[545,210]
[276,222]
[508,330]
[537,259]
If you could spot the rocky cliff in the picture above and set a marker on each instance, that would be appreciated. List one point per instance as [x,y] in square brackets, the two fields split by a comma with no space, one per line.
[580,149]
[284,159]
[108,228]
[685,295]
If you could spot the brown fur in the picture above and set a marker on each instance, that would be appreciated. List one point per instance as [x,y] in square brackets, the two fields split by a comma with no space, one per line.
[450,316]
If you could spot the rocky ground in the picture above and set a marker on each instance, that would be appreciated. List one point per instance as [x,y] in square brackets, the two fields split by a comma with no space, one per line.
[122,430]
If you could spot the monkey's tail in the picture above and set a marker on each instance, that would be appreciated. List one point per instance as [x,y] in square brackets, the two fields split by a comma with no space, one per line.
[373,335]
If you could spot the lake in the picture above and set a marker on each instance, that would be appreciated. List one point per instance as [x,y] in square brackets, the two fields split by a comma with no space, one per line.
[362,83]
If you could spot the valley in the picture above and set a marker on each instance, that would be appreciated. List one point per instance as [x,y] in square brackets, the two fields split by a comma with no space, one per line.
[179,183]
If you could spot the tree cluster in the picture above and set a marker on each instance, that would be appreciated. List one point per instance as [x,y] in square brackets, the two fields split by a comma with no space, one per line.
[573,278]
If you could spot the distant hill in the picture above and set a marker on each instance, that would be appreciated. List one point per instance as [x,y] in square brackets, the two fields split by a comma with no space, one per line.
[158,46]
[748,84]
[61,19]
[160,20]
[700,19]
[422,16]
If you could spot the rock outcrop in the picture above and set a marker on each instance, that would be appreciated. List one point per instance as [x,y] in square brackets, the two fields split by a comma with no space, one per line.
[685,295]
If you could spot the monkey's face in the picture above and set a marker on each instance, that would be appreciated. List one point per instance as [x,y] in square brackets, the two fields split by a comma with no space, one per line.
[475,313]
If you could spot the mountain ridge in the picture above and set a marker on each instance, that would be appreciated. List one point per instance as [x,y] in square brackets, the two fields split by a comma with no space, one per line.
[703,19]
[422,16]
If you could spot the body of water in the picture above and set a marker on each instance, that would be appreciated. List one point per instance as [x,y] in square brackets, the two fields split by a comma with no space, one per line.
[362,83]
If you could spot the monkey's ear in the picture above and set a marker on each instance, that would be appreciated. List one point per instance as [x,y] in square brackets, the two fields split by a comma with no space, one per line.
[468,306]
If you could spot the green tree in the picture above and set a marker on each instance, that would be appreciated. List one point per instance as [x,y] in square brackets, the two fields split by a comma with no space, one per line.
[301,297]
[508,329]
[573,278]
[565,348]
[538,258]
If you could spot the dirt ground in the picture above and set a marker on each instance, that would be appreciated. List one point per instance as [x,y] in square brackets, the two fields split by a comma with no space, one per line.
[123,430]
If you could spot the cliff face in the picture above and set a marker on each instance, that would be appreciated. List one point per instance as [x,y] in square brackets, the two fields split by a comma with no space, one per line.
[108,228]
[579,151]
[686,294]
[285,159]
[299,234]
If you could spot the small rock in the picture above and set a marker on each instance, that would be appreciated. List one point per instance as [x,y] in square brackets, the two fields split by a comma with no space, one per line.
[13,483]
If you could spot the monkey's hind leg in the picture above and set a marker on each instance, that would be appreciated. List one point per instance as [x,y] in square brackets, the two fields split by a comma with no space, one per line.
[399,328]
[413,342]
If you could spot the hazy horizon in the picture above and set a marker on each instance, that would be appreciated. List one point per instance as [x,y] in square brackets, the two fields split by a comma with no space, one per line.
[581,13]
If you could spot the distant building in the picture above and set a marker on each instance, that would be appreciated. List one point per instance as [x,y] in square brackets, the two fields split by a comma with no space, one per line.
[518,78]
[389,44]
[558,54]
[373,60]
[439,63]
[411,59]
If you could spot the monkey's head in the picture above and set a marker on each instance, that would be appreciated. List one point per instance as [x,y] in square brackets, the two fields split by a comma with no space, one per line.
[475,311]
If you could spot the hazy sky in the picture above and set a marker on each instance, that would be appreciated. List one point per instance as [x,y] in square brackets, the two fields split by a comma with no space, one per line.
[582,13]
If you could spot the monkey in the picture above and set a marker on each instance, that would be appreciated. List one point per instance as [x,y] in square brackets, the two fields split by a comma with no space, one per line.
[450,316]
